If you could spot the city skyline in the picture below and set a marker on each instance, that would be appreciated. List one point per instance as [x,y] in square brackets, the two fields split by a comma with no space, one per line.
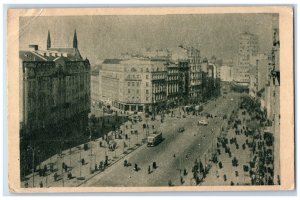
[110,36]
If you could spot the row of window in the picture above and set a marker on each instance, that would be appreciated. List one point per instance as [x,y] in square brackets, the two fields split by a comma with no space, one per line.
[137,84]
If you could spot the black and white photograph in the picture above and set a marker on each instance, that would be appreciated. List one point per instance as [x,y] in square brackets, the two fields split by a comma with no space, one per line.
[164,100]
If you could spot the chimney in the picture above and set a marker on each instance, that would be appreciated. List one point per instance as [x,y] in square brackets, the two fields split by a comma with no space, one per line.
[34,47]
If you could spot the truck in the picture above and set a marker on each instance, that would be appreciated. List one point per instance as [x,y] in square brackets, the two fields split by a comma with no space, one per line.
[154,139]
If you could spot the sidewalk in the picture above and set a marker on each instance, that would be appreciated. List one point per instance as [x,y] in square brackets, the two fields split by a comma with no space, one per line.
[229,174]
[92,157]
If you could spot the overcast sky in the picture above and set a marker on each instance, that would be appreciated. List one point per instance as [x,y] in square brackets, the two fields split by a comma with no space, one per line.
[101,37]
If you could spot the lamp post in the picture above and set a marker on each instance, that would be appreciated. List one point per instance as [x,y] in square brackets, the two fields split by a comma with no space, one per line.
[33,149]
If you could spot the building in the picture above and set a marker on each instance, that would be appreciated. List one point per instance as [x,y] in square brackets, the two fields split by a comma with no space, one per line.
[172,83]
[54,90]
[258,74]
[190,56]
[210,81]
[134,84]
[248,46]
[224,73]
[272,98]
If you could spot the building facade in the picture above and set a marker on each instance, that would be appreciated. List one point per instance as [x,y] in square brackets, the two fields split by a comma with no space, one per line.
[258,74]
[248,46]
[172,83]
[224,73]
[272,97]
[189,57]
[134,84]
[54,89]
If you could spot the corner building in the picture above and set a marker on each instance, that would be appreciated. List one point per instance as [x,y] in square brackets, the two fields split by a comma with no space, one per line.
[134,84]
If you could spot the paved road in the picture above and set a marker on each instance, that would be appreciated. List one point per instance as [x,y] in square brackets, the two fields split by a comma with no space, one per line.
[194,143]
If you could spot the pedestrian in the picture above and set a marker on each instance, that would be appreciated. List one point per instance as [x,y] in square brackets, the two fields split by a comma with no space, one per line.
[135,167]
[149,169]
[82,161]
[96,167]
[41,184]
[154,165]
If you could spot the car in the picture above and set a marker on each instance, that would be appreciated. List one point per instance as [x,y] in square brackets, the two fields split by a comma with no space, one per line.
[180,130]
[203,122]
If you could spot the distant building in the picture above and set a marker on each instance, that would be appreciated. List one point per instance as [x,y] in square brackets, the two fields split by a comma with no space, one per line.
[258,74]
[54,89]
[224,73]
[248,46]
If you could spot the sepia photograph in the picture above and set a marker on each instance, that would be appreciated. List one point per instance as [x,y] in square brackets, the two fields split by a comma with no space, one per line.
[169,99]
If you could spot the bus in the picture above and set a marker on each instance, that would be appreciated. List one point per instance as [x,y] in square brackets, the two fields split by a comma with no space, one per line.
[154,139]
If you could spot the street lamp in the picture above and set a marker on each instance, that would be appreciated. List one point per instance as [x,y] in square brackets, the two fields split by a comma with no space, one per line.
[33,149]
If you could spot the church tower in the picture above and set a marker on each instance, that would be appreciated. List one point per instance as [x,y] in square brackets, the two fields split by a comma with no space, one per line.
[75,43]
[48,41]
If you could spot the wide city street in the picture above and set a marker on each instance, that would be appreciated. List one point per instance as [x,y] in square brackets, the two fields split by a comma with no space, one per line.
[178,150]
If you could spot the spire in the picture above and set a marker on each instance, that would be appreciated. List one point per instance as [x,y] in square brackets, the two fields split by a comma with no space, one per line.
[48,40]
[75,43]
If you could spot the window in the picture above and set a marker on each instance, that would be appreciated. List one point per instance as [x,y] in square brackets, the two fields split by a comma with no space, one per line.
[137,91]
[128,83]
[128,91]
[147,84]
[147,91]
[147,98]
[137,83]
[132,83]
[147,76]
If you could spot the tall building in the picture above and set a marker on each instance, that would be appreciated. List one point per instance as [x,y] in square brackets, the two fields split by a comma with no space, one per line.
[248,46]
[258,74]
[54,90]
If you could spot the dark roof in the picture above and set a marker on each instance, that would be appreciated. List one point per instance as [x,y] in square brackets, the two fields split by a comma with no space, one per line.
[53,54]
[72,53]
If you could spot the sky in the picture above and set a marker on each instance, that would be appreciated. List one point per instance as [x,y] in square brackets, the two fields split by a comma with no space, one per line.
[101,37]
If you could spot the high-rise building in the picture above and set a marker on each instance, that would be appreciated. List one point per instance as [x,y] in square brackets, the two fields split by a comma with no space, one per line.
[248,46]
